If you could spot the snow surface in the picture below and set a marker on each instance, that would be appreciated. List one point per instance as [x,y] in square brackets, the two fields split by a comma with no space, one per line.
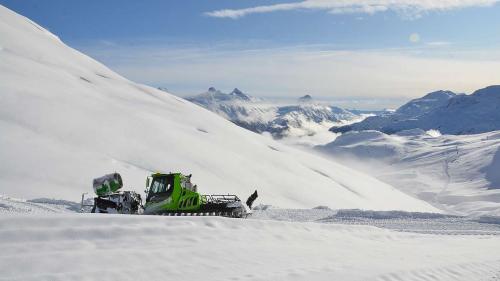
[43,239]
[327,245]
[430,223]
[54,243]
[9,206]
[456,173]
[66,119]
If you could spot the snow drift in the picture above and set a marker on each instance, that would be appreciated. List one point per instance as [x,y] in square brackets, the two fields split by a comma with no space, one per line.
[65,119]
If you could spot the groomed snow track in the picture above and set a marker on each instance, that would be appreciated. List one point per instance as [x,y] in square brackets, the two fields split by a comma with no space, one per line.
[123,247]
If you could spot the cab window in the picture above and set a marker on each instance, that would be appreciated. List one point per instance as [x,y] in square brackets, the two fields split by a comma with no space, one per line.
[163,185]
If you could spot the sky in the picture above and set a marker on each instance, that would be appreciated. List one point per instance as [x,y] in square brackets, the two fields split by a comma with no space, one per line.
[356,50]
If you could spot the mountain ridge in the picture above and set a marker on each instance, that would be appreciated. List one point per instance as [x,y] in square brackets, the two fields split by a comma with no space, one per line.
[279,120]
[451,113]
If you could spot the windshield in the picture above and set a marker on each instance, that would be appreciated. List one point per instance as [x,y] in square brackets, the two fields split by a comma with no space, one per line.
[163,185]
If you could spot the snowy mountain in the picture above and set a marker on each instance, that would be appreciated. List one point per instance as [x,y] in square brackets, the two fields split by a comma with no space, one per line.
[213,97]
[280,121]
[425,104]
[444,111]
[66,119]
[306,98]
[455,173]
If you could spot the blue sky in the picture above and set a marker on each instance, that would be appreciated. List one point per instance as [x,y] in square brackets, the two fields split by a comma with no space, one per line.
[353,49]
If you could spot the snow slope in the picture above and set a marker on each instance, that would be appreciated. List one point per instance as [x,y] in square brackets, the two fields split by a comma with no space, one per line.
[114,247]
[303,118]
[457,173]
[444,111]
[65,119]
[9,206]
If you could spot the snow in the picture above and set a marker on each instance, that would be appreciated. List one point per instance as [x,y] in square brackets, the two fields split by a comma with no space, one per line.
[442,110]
[416,222]
[295,122]
[66,119]
[455,173]
[14,206]
[125,247]
[427,103]
[273,244]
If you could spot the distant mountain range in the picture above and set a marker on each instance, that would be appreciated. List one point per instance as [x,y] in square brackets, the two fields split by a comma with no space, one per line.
[279,120]
[450,113]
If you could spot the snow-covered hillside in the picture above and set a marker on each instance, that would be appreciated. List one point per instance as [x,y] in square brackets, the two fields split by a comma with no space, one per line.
[442,110]
[457,173]
[303,118]
[65,119]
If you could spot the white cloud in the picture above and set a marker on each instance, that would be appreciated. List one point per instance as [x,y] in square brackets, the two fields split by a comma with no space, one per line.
[288,72]
[406,8]
[438,43]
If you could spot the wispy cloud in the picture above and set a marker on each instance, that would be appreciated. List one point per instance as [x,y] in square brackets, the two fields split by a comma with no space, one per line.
[294,71]
[405,8]
[438,43]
